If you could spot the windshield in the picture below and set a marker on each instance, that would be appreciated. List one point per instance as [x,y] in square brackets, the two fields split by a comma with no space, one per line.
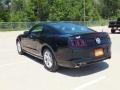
[72,28]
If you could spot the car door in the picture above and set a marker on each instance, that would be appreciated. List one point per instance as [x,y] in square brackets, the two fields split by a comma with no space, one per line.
[35,39]
[26,42]
[31,41]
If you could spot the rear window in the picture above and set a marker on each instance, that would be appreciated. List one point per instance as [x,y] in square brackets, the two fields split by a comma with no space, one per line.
[72,28]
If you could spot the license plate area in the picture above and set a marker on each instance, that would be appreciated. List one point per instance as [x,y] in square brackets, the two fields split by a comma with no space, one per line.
[99,52]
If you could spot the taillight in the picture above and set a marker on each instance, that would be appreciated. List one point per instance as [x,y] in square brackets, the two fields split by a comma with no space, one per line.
[78,43]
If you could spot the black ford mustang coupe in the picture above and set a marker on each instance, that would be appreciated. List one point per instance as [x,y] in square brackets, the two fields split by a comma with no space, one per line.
[64,44]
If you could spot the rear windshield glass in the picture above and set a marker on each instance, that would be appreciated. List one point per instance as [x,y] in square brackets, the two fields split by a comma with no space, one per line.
[72,28]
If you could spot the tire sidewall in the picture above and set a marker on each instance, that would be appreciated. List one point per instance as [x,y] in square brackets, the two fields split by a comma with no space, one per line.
[20,52]
[54,66]
[112,31]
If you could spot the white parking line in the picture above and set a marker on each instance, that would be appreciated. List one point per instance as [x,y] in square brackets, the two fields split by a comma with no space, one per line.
[89,83]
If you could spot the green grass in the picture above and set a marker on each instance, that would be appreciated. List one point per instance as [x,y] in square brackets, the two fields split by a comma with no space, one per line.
[7,30]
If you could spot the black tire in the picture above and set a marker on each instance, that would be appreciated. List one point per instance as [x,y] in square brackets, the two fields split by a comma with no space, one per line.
[54,66]
[19,48]
[112,31]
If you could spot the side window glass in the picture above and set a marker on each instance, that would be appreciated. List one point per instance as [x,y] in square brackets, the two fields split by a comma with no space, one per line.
[49,30]
[37,30]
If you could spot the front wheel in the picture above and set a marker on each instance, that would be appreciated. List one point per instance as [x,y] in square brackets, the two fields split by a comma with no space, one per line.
[19,48]
[50,62]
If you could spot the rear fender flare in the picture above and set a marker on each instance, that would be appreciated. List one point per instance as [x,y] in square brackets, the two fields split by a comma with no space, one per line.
[49,47]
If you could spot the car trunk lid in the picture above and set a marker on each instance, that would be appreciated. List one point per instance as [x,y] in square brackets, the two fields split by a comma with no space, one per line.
[89,39]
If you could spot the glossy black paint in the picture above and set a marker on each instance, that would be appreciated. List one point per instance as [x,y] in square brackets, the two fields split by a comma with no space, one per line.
[59,44]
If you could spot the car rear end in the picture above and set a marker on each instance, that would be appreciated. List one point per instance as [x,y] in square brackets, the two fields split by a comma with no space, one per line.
[87,48]
[112,24]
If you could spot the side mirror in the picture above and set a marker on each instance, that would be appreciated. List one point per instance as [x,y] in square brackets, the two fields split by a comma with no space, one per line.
[26,32]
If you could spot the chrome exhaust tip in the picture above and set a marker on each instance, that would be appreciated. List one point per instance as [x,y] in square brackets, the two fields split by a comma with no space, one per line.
[80,64]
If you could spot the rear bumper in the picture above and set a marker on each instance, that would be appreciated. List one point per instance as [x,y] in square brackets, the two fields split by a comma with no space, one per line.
[78,58]
[81,63]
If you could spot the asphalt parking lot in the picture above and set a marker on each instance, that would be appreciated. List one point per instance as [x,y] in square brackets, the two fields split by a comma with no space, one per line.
[27,73]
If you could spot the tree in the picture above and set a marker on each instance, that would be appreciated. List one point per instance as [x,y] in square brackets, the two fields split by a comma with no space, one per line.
[4,11]
[17,11]
[111,9]
[41,9]
[58,10]
[91,11]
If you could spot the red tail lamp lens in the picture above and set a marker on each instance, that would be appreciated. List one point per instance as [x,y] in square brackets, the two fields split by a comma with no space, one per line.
[78,43]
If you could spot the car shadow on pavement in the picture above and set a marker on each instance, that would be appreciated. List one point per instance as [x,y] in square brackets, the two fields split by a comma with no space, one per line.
[84,71]
[34,58]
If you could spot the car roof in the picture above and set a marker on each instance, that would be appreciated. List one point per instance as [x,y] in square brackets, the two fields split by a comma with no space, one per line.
[60,23]
[53,24]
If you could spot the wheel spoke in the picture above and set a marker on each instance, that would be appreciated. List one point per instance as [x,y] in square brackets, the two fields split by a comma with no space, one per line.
[48,59]
[18,46]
